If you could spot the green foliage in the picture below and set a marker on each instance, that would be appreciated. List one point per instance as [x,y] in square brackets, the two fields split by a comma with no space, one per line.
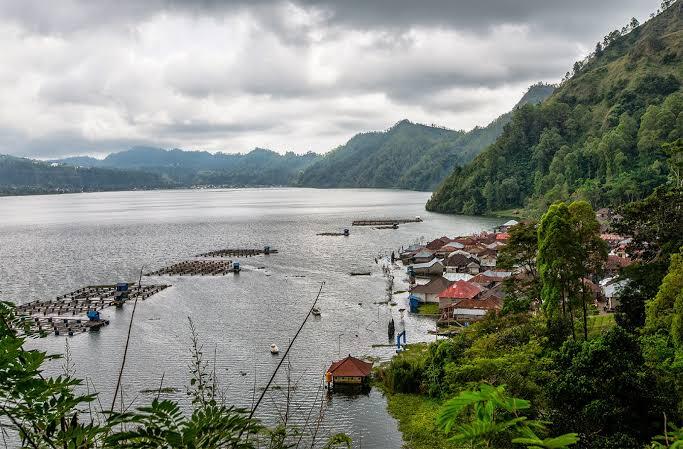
[569,250]
[672,439]
[599,136]
[602,389]
[665,312]
[162,424]
[655,237]
[492,417]
[417,417]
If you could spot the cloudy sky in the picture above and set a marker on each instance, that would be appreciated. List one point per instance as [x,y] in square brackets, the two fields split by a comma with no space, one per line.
[96,76]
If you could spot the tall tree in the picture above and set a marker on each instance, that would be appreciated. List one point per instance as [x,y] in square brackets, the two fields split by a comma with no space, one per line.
[591,250]
[557,266]
[520,252]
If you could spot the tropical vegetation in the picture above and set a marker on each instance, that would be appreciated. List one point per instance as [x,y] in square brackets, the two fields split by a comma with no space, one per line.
[610,134]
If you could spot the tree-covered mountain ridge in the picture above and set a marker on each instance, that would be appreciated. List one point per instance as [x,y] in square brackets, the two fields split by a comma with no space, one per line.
[408,155]
[609,134]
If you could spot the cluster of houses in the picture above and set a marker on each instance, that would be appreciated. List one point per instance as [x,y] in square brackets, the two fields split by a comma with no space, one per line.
[606,292]
[460,274]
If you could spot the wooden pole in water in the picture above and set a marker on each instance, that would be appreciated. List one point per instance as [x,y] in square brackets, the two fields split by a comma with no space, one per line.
[251,415]
[125,350]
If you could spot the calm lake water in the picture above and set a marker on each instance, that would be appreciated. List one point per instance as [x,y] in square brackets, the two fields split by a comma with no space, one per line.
[51,245]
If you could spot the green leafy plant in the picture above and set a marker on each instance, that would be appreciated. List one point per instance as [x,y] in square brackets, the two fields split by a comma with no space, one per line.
[488,415]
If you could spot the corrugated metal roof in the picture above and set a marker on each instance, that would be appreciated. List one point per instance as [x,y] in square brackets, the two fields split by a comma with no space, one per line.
[461,290]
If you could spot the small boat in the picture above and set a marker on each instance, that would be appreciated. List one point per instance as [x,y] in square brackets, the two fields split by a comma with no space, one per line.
[274,349]
[315,311]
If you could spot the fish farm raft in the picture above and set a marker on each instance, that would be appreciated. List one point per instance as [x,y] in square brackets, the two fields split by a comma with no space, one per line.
[385,221]
[198,268]
[238,252]
[78,311]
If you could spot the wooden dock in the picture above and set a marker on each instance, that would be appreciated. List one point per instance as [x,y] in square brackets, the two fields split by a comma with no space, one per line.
[196,268]
[385,221]
[237,252]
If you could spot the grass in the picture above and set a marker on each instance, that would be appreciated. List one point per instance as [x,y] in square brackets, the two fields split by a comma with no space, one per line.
[597,325]
[510,213]
[428,309]
[416,417]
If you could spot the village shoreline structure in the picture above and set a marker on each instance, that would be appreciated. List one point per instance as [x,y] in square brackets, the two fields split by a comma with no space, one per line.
[456,278]
[461,275]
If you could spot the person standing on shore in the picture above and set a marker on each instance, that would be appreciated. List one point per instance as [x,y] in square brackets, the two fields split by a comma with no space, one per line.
[401,327]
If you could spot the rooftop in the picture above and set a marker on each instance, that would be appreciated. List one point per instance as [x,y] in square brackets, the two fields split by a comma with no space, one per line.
[436,285]
[350,367]
[461,290]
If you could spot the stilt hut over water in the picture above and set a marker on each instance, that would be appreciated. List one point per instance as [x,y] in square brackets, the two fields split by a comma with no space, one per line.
[350,371]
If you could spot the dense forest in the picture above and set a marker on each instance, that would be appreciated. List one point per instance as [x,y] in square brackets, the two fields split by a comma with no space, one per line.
[407,155]
[611,133]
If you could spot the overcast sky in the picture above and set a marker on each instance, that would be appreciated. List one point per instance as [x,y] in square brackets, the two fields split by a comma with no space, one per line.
[96,76]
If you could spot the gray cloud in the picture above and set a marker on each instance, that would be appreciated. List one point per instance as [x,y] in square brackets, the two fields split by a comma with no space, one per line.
[97,76]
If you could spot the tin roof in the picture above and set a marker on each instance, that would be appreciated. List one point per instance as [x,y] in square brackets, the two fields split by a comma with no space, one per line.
[461,290]
[490,303]
[436,285]
[429,264]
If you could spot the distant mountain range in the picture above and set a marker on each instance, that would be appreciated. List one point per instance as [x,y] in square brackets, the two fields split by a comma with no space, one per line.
[19,176]
[259,167]
[407,156]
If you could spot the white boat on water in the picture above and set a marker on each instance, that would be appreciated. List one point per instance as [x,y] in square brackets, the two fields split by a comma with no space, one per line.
[274,349]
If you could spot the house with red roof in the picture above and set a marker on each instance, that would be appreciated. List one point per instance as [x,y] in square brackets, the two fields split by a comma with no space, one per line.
[438,243]
[459,291]
[349,371]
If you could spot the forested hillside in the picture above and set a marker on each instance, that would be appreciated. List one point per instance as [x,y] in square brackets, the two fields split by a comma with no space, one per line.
[19,176]
[187,168]
[609,134]
[408,155]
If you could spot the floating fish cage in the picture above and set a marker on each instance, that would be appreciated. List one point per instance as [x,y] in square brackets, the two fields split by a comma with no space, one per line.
[385,221]
[198,268]
[238,252]
[78,311]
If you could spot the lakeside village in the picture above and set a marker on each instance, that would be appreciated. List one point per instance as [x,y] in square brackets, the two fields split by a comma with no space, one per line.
[457,279]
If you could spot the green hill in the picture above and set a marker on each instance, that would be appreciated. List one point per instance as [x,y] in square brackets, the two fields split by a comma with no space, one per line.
[599,137]
[408,155]
[259,167]
[19,176]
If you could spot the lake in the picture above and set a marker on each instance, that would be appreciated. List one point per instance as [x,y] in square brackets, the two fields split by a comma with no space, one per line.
[55,244]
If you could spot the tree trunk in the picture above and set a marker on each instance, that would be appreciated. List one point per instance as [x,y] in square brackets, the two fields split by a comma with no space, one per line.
[585,312]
